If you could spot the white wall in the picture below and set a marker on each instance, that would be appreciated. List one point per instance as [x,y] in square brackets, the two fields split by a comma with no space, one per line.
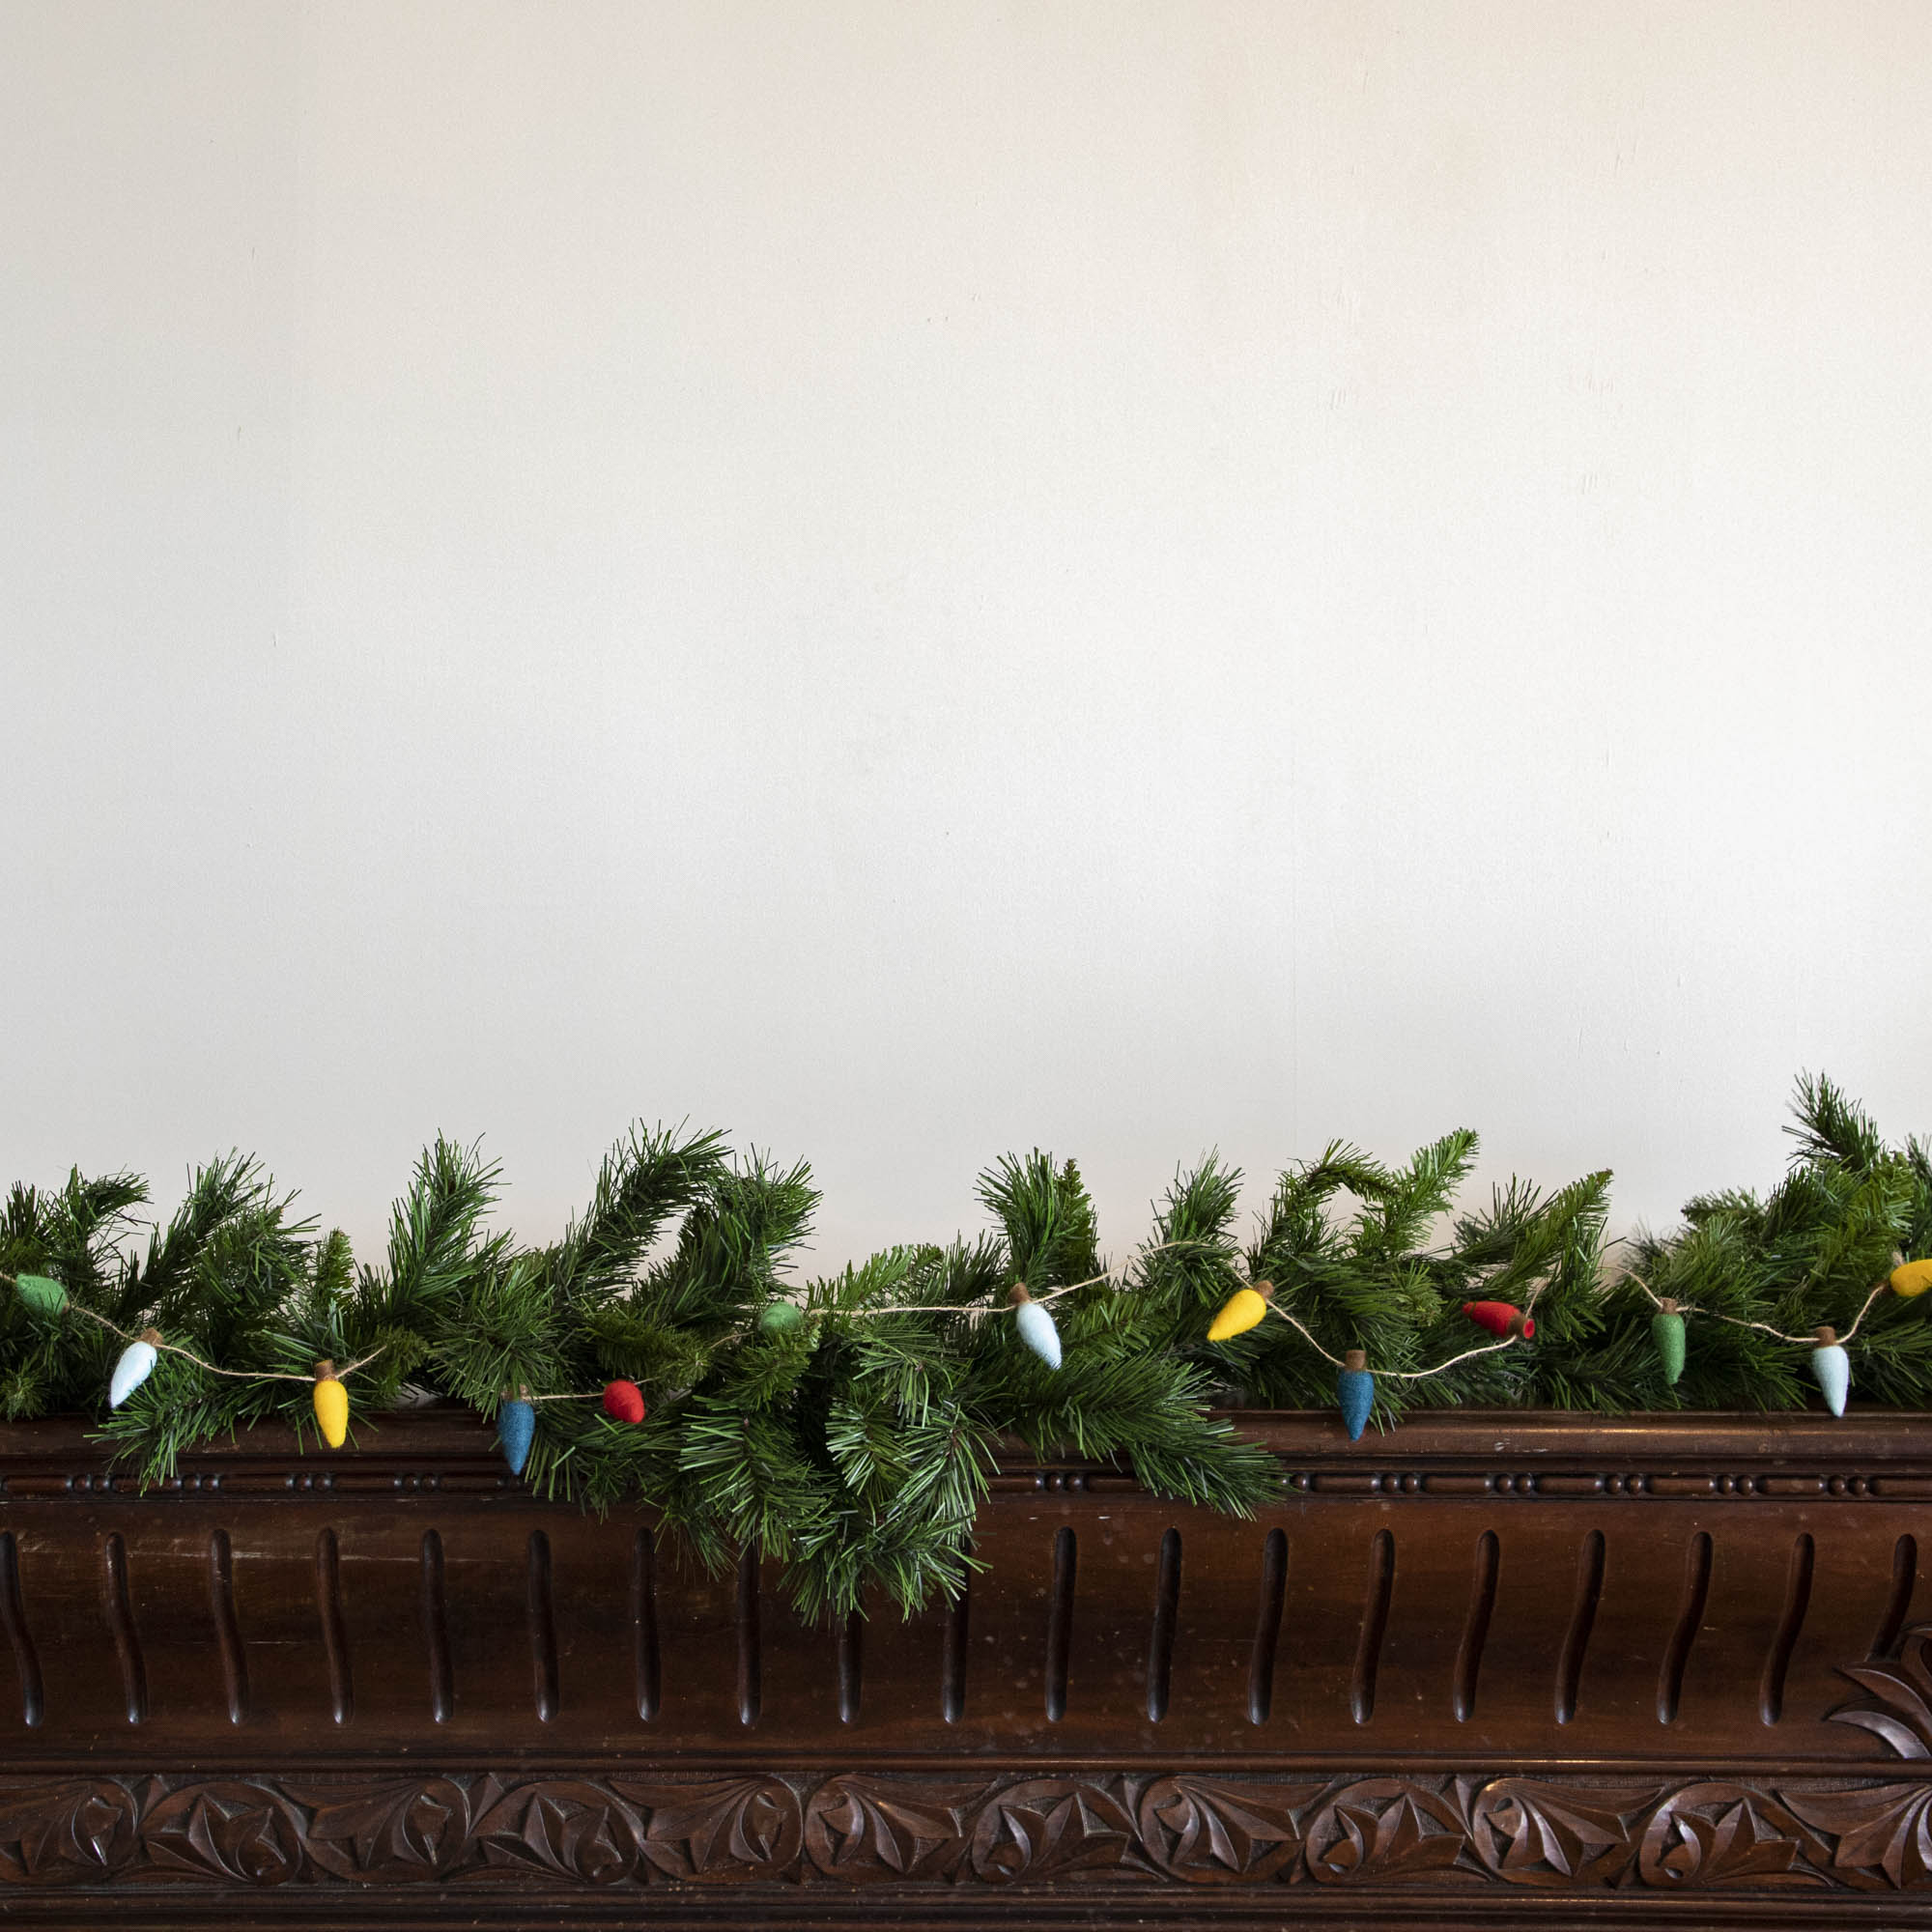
[914,579]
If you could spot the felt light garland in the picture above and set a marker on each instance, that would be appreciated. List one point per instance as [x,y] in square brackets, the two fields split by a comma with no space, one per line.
[624,1402]
[1831,1365]
[517,1415]
[1034,1325]
[138,1361]
[1354,1382]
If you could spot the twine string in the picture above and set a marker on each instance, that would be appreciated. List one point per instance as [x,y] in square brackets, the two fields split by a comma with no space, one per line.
[236,1375]
[978,1310]
[972,1309]
[1393,1374]
[1404,1374]
[1763,1327]
[188,1356]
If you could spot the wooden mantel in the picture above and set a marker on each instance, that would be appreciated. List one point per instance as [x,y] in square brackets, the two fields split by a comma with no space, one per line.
[1653,1670]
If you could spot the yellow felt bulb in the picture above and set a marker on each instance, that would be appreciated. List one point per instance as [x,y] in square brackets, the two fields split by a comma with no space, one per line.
[1911,1278]
[1242,1311]
[331,1405]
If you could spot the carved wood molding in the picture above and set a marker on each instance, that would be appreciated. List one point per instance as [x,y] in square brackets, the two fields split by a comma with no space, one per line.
[449,1454]
[372,1477]
[1566,1836]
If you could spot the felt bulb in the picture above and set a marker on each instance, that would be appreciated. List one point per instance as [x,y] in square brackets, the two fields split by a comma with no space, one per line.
[42,1292]
[331,1405]
[136,1364]
[1355,1391]
[1666,1330]
[624,1402]
[1500,1319]
[1911,1278]
[1035,1326]
[780,1318]
[1242,1311]
[517,1430]
[1833,1369]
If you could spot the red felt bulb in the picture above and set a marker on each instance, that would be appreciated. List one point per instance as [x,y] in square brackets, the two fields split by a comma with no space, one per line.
[1500,1319]
[623,1402]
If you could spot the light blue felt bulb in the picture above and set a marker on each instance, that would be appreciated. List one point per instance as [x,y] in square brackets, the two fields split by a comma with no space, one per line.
[516,1430]
[1035,1326]
[1355,1391]
[1833,1369]
[136,1364]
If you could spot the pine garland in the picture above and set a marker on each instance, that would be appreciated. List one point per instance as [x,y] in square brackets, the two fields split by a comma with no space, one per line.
[847,1427]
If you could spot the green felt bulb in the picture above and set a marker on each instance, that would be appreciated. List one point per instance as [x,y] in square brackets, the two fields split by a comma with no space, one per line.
[1666,1330]
[780,1318]
[42,1292]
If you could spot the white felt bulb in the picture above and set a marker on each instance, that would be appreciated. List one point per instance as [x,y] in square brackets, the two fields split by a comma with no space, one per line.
[1037,1329]
[136,1364]
[1833,1369]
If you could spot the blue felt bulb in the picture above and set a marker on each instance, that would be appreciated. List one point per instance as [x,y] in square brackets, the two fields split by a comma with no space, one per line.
[1355,1391]
[516,1430]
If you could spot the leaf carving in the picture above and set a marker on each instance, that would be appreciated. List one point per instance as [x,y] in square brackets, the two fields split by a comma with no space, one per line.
[1050,1828]
[1386,1829]
[575,1829]
[1881,1829]
[68,1833]
[1715,1834]
[724,1828]
[1210,1833]
[862,1830]
[389,1834]
[1545,1835]
[225,1829]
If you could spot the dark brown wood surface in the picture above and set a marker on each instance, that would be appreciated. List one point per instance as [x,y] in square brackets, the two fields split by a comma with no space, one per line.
[1660,1670]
